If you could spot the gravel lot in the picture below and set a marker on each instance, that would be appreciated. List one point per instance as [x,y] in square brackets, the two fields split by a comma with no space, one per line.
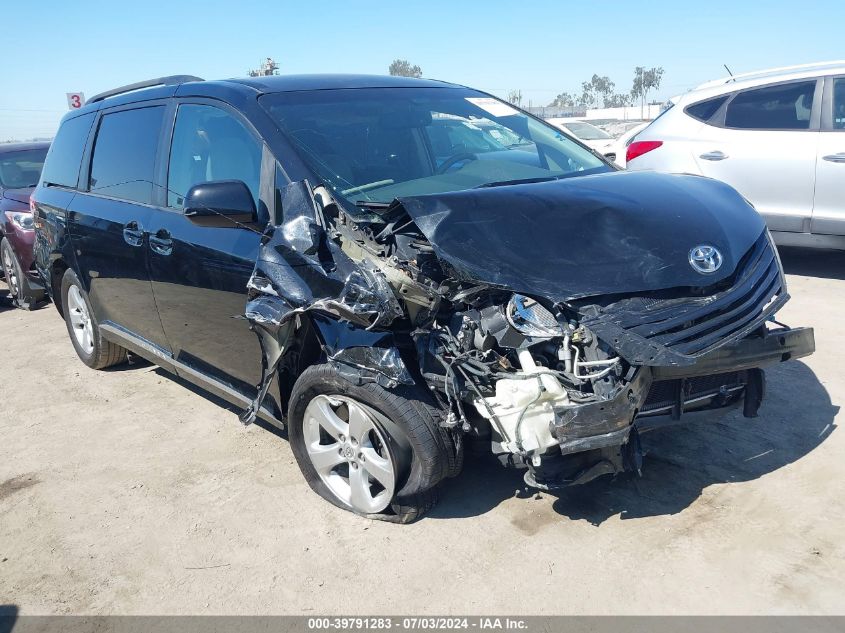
[127,492]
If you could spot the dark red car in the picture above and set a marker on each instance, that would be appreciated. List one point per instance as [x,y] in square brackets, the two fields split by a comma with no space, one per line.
[20,168]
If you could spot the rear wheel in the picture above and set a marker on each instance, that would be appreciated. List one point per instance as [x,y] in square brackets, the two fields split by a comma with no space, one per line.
[90,346]
[377,452]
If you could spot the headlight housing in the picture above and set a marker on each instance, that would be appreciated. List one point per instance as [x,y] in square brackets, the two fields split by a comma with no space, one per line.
[21,219]
[528,317]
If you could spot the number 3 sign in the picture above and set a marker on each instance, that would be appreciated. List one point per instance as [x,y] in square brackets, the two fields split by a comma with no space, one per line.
[75,100]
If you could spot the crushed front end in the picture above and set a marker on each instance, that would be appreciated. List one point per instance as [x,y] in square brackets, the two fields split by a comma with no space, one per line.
[556,348]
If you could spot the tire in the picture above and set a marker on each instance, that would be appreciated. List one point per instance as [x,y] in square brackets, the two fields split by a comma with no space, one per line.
[13,274]
[95,351]
[406,425]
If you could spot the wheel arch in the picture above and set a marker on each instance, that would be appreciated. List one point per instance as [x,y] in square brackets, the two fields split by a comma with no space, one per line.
[57,270]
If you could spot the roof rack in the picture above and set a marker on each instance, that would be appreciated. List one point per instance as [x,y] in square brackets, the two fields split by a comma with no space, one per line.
[772,71]
[172,80]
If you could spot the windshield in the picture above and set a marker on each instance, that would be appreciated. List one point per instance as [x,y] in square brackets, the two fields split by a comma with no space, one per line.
[586,132]
[372,145]
[22,168]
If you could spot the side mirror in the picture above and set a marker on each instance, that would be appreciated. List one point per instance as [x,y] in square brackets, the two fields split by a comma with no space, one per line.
[222,203]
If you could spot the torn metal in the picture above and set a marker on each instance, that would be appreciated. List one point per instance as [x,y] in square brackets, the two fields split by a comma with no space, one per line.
[549,320]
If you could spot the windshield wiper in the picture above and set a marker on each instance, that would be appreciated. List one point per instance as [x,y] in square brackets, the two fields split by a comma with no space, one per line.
[367,204]
[518,181]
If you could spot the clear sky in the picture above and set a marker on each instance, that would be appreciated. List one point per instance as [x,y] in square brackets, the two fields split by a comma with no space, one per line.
[543,47]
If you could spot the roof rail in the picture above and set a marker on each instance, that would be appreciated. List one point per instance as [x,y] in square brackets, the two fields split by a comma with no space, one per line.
[772,71]
[172,80]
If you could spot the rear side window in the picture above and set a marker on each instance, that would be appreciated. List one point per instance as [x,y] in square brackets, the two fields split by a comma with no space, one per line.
[704,110]
[124,154]
[781,107]
[65,156]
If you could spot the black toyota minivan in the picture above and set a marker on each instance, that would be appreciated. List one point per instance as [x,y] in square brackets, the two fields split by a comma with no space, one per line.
[390,268]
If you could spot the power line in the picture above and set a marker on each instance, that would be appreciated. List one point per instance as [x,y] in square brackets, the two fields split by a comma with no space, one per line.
[28,110]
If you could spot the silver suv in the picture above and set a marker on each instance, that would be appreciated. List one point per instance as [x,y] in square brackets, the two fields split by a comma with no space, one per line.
[777,136]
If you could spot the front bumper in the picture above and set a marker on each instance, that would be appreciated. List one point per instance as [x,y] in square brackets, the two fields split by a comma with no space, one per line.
[727,377]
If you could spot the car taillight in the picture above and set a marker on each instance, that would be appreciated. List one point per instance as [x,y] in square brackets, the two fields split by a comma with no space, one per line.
[638,148]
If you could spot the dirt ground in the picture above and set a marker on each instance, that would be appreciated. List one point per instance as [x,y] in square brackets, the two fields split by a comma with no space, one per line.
[127,492]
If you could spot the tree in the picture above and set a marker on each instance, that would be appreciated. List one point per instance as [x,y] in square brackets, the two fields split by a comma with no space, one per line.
[515,97]
[618,100]
[644,82]
[403,68]
[588,96]
[563,100]
[603,87]
[596,92]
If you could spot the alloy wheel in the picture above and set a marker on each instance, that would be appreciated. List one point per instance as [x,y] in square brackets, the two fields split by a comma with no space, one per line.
[80,320]
[349,452]
[11,273]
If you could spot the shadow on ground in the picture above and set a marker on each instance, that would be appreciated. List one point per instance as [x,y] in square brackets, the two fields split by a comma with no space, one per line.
[8,617]
[681,461]
[220,402]
[826,264]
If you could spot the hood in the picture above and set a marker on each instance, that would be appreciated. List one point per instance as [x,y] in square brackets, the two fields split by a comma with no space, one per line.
[18,195]
[612,233]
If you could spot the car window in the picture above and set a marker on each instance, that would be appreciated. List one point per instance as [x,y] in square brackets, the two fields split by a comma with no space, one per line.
[781,107]
[587,131]
[21,169]
[210,144]
[839,104]
[704,110]
[61,166]
[123,163]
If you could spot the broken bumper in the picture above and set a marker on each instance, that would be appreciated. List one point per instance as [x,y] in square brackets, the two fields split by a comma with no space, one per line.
[726,378]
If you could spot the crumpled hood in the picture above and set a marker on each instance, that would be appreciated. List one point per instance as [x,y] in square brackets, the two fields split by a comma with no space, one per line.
[18,195]
[618,232]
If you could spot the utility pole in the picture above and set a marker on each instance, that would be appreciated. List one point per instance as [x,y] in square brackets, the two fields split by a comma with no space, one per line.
[267,69]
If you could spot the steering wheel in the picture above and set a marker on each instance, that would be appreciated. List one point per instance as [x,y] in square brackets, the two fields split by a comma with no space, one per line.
[453,160]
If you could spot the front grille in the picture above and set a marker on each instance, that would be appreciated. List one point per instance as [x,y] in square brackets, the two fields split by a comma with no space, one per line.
[692,326]
[666,393]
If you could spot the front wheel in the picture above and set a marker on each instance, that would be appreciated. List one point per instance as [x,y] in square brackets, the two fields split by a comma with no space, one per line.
[378,452]
[20,292]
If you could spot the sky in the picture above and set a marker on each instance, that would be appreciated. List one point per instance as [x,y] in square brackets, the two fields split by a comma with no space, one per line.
[51,47]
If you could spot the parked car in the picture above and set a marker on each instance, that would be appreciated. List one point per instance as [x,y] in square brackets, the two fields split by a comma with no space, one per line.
[590,135]
[776,136]
[621,144]
[20,166]
[395,307]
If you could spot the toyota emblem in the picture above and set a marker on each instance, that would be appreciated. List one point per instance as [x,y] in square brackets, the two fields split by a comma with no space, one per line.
[705,259]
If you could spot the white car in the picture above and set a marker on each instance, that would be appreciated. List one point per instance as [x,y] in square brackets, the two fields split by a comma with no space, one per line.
[620,145]
[590,135]
[777,136]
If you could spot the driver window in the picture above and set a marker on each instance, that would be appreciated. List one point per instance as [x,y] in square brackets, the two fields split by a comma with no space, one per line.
[210,144]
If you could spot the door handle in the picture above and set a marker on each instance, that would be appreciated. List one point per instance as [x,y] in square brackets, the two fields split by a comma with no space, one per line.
[133,234]
[161,242]
[835,158]
[714,155]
